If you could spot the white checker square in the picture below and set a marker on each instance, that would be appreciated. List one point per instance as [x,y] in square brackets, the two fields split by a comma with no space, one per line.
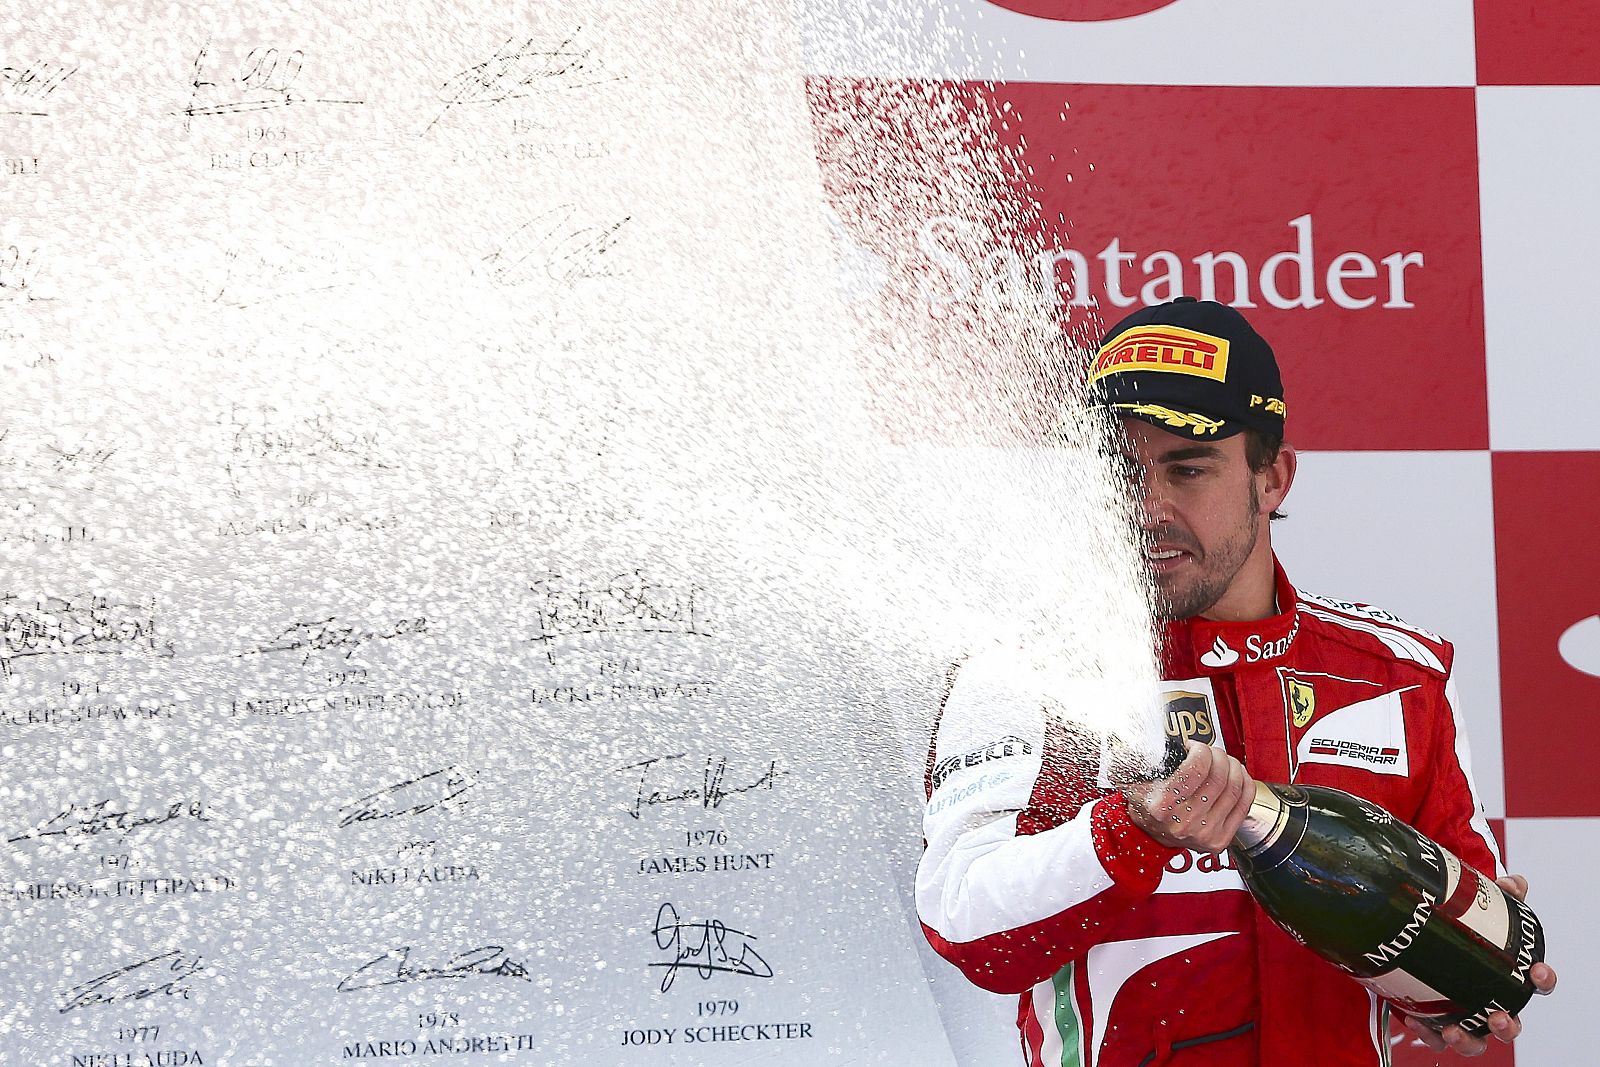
[1185,42]
[1540,229]
[1556,856]
[1411,532]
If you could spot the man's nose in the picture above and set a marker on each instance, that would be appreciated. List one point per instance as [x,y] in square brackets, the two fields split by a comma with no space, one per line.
[1156,505]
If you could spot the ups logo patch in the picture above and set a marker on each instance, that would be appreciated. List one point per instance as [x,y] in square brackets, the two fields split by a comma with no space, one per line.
[1189,718]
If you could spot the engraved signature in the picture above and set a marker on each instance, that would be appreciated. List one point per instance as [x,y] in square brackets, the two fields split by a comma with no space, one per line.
[29,84]
[81,624]
[265,441]
[410,797]
[265,80]
[257,278]
[86,820]
[705,947]
[628,602]
[551,245]
[521,69]
[322,634]
[394,967]
[711,792]
[19,274]
[161,975]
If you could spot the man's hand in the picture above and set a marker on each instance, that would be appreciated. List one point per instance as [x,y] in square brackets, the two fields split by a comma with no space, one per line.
[1200,806]
[1503,1026]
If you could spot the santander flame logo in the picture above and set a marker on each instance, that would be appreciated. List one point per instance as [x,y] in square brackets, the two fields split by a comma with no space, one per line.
[1082,10]
[1220,655]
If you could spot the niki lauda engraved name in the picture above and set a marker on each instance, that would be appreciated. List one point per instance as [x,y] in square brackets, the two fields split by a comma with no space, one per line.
[443,792]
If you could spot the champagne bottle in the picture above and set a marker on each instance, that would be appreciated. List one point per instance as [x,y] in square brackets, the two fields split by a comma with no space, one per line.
[1387,906]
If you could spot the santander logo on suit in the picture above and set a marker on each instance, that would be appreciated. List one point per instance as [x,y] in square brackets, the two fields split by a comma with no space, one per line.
[1082,10]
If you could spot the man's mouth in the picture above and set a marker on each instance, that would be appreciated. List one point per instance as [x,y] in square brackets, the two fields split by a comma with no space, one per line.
[1164,558]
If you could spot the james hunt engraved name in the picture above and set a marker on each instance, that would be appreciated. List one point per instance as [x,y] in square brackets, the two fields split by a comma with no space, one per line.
[706,862]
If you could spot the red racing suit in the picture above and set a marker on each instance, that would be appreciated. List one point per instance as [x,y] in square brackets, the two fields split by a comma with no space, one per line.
[1126,953]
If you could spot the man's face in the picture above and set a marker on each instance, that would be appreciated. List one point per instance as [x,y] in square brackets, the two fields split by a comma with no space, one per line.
[1202,514]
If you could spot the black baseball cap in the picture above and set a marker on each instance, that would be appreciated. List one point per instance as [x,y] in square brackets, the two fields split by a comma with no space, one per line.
[1193,367]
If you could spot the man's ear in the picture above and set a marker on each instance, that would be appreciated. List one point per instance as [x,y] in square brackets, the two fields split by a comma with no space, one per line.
[1276,478]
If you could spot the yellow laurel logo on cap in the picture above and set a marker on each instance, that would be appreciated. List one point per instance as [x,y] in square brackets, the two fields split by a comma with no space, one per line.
[1196,423]
[1163,348]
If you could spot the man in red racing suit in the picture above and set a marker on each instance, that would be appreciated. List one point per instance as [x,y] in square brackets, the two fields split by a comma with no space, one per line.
[1118,916]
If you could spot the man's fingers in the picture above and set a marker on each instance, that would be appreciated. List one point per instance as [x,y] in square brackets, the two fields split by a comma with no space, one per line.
[1514,884]
[1426,1034]
[1192,772]
[1463,1043]
[1505,1027]
[1543,976]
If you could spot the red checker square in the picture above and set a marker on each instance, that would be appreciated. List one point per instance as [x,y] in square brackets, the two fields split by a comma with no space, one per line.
[1549,606]
[1308,188]
[1342,222]
[1537,42]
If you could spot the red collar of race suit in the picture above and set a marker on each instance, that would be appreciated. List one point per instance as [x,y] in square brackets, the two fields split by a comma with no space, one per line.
[1198,646]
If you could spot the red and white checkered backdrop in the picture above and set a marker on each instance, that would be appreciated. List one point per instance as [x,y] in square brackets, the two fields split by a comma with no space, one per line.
[1401,198]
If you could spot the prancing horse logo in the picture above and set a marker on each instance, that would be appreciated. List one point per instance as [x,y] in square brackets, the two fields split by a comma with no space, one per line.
[1303,699]
[1082,10]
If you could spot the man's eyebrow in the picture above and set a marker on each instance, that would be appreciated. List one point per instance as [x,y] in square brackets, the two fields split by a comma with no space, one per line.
[1178,455]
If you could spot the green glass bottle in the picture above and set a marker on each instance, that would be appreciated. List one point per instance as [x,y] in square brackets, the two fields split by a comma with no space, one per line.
[1388,906]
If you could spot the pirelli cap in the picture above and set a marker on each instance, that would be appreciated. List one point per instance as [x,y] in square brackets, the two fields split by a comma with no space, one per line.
[1191,367]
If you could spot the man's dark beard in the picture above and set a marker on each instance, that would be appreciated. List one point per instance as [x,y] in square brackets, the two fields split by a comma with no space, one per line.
[1200,598]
